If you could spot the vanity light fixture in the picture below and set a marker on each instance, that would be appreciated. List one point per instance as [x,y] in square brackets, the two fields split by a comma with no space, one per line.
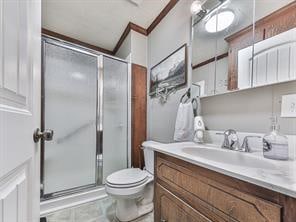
[219,21]
[196,7]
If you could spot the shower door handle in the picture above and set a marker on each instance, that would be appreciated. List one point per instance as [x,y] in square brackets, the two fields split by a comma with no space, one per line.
[46,135]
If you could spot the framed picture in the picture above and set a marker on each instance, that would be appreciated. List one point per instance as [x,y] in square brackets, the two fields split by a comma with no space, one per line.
[171,72]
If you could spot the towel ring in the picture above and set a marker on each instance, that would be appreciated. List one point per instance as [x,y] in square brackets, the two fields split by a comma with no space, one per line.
[194,100]
[188,94]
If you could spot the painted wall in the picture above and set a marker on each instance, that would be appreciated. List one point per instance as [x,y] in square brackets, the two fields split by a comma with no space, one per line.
[134,47]
[139,48]
[125,49]
[171,33]
[249,110]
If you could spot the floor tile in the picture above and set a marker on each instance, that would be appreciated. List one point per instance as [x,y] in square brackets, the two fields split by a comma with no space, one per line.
[98,211]
[87,212]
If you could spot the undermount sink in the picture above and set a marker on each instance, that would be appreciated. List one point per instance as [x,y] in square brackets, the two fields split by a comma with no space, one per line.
[229,157]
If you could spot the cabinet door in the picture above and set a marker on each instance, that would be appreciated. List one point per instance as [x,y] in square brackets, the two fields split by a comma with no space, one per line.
[215,200]
[170,208]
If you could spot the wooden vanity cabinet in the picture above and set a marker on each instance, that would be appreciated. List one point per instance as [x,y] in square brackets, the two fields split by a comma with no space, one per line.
[185,192]
[173,209]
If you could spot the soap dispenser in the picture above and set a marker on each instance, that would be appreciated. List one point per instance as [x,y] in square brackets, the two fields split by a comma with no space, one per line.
[199,128]
[275,144]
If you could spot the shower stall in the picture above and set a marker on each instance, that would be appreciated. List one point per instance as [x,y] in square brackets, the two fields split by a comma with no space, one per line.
[86,102]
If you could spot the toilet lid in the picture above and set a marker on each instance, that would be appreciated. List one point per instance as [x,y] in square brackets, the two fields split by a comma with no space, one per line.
[127,176]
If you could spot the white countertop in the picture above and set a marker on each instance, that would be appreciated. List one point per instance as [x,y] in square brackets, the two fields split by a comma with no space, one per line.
[275,175]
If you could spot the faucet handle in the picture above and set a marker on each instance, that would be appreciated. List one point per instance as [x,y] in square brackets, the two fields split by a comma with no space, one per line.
[230,139]
[245,146]
[225,143]
[229,132]
[234,141]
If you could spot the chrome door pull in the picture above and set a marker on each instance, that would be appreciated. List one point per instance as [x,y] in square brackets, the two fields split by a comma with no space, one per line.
[45,135]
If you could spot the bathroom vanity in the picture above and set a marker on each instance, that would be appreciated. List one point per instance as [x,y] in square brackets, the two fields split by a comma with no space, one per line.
[190,188]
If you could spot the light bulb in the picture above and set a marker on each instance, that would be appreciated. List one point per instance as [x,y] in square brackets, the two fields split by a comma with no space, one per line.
[195,7]
[220,21]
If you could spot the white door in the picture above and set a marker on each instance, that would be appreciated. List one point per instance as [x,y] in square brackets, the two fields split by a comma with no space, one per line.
[20,39]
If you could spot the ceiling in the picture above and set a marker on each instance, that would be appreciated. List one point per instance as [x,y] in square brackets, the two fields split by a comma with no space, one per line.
[98,22]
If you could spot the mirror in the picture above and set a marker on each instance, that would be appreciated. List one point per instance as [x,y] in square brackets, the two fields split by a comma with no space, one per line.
[238,45]
[274,59]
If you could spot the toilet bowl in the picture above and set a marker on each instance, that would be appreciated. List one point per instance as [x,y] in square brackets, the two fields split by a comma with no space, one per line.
[132,189]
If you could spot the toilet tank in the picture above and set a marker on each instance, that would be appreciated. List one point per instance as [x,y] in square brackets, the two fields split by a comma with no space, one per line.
[149,160]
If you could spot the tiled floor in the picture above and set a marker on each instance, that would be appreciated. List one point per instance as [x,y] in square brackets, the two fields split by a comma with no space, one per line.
[97,211]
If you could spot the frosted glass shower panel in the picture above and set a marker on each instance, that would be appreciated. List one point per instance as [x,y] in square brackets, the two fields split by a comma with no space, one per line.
[70,106]
[115,116]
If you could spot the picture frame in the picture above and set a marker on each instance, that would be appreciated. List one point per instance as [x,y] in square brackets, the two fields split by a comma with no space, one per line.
[170,73]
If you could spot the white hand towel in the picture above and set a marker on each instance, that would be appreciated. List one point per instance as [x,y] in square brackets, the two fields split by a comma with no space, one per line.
[184,123]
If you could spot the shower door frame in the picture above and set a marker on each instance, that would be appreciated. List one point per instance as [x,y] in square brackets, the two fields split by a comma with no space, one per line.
[99,117]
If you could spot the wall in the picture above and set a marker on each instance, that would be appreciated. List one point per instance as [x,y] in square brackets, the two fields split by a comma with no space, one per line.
[172,32]
[248,110]
[139,48]
[134,47]
[125,49]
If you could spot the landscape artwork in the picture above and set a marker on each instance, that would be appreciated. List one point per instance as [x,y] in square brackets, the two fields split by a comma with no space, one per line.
[170,73]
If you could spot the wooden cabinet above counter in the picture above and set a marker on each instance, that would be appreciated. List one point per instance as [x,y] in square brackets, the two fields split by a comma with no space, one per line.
[187,192]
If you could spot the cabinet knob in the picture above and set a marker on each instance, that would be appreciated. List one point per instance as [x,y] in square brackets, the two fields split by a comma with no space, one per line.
[163,220]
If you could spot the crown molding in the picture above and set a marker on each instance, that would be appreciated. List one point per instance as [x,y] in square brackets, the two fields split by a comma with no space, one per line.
[141,30]
[130,26]
[75,41]
[161,15]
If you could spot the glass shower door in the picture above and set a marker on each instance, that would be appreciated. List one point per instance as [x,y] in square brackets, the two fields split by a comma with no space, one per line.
[115,116]
[70,110]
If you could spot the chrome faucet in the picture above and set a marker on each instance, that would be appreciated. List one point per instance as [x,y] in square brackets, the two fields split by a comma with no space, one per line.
[230,140]
[245,146]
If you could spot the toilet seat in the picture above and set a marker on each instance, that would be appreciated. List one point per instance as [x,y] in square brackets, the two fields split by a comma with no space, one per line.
[127,178]
[128,182]
[127,185]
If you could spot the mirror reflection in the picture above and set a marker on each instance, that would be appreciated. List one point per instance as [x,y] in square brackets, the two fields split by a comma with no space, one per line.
[242,44]
[274,58]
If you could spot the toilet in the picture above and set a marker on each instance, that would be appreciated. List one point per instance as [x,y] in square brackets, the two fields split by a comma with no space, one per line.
[133,188]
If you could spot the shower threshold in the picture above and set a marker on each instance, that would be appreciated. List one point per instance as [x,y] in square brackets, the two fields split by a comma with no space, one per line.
[77,198]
